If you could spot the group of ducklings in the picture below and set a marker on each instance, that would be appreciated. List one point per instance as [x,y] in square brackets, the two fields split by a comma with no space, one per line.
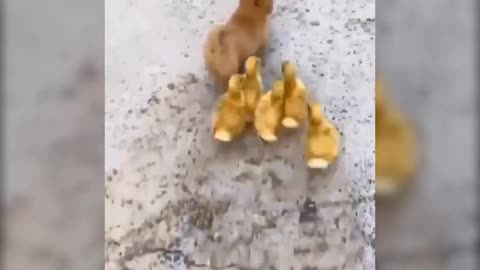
[286,105]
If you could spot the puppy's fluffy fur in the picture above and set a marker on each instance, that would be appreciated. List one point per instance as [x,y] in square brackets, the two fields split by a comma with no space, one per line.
[227,46]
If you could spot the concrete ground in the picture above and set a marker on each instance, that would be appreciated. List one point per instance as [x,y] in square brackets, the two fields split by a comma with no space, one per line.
[176,199]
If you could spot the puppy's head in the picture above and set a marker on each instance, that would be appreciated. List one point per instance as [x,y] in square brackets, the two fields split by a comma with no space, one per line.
[266,6]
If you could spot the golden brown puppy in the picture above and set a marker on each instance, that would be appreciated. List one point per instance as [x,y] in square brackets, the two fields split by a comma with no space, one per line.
[227,46]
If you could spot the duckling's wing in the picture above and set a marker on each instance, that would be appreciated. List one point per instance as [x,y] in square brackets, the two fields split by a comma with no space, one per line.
[219,106]
[260,82]
[250,97]
[260,105]
[215,115]
[332,132]
[220,103]
[301,94]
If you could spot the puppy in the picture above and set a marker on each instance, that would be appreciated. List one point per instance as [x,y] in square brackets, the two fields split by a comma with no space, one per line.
[228,45]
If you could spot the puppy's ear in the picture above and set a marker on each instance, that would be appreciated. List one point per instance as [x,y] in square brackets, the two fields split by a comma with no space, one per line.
[268,6]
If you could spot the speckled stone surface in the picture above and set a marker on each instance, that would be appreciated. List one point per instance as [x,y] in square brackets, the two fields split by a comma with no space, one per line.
[176,199]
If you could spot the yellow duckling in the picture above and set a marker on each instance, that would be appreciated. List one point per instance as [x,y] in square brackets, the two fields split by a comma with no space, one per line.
[323,139]
[395,146]
[295,99]
[269,113]
[229,120]
[253,86]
